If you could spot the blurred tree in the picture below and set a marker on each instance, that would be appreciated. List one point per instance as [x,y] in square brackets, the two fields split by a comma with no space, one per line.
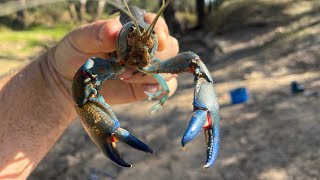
[83,10]
[20,22]
[173,23]
[73,10]
[204,9]
[100,9]
[201,15]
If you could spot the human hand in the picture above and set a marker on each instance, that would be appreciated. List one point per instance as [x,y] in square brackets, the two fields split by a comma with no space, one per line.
[99,39]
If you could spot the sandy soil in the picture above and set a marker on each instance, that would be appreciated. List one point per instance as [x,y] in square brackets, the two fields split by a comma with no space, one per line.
[273,136]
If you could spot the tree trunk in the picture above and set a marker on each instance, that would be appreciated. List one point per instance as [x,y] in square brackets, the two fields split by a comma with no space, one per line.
[169,15]
[83,10]
[100,9]
[21,16]
[201,15]
[73,11]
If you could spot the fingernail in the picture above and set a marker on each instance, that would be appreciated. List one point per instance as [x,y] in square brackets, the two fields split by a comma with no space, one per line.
[151,88]
[125,75]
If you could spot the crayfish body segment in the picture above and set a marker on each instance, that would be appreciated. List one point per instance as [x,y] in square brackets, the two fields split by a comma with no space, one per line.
[136,46]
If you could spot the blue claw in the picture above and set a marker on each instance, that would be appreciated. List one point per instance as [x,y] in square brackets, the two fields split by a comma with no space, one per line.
[196,123]
[126,137]
[110,149]
[104,129]
[213,147]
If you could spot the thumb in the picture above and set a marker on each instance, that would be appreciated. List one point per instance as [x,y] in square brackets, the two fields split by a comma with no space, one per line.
[95,39]
[99,36]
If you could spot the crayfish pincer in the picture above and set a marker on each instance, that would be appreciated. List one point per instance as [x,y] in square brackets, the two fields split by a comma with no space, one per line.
[136,46]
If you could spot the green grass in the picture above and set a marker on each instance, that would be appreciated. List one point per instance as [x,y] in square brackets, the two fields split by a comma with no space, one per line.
[15,46]
[35,33]
[28,42]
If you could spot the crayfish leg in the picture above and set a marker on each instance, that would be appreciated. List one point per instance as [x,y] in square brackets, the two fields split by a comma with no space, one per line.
[205,104]
[164,89]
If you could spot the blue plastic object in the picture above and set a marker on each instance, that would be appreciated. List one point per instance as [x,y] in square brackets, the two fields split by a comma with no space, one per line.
[296,87]
[239,95]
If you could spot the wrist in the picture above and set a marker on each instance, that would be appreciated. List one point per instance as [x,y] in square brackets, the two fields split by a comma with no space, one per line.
[56,80]
[36,108]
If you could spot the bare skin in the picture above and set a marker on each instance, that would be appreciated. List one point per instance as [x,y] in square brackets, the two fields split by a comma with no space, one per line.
[35,102]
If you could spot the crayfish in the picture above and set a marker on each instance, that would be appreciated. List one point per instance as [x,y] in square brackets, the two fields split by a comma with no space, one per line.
[136,47]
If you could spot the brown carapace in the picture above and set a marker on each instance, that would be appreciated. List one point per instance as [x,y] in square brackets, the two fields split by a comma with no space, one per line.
[140,46]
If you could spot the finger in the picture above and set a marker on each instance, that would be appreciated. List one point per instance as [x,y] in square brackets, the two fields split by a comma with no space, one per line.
[161,30]
[83,43]
[146,78]
[129,73]
[127,92]
[117,92]
[99,36]
[67,60]
[171,50]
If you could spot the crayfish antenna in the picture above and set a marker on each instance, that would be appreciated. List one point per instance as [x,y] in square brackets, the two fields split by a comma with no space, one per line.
[163,7]
[127,12]
[135,22]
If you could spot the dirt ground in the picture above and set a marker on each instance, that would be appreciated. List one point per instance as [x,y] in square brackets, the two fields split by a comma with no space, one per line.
[273,136]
